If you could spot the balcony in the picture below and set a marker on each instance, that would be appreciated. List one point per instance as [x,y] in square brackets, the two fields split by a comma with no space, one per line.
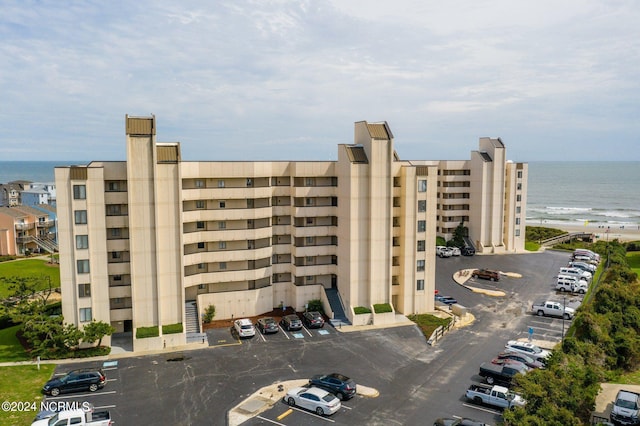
[120,314]
[46,223]
[24,226]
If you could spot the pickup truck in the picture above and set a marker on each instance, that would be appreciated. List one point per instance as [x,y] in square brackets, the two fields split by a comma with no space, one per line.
[552,309]
[78,417]
[503,373]
[626,408]
[497,396]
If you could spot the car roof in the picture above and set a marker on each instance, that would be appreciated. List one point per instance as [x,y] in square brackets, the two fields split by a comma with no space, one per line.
[317,391]
[292,316]
[243,321]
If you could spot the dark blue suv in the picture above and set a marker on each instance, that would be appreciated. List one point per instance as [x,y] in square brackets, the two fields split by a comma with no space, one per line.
[342,386]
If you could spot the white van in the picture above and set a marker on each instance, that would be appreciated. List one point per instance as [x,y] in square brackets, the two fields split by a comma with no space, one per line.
[588,253]
[576,273]
[571,284]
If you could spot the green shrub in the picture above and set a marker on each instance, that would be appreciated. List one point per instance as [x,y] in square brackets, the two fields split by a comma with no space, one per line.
[382,308]
[78,353]
[358,310]
[172,328]
[7,258]
[209,313]
[144,332]
[315,305]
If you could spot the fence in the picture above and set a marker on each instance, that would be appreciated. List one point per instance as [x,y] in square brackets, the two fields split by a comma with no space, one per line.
[439,332]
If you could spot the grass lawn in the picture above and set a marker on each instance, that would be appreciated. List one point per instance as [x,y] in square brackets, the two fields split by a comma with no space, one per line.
[531,246]
[22,384]
[29,268]
[10,348]
[428,323]
[633,258]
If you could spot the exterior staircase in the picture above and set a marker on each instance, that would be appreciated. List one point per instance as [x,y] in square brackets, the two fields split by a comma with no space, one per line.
[339,317]
[48,245]
[191,317]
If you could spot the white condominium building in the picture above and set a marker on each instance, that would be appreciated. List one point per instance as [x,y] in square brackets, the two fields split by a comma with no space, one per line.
[154,240]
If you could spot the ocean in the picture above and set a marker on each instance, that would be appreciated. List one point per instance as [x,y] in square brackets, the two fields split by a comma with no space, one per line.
[560,192]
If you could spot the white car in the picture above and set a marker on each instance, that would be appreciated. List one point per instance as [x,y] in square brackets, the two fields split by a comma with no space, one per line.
[455,251]
[315,399]
[244,328]
[530,349]
[443,251]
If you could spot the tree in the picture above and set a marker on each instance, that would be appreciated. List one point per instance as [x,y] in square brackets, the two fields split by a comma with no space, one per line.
[96,330]
[209,313]
[458,236]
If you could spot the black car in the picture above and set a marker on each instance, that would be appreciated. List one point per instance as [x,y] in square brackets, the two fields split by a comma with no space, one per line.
[342,386]
[313,319]
[291,322]
[267,325]
[467,251]
[76,381]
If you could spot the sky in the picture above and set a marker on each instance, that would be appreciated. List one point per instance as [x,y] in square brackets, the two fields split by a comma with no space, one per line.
[287,80]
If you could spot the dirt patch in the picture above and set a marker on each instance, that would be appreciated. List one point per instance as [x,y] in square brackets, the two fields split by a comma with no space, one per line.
[276,314]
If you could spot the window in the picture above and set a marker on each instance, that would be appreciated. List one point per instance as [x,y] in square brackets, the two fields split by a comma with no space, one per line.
[518,197]
[199,224]
[82,266]
[84,290]
[114,210]
[220,184]
[115,232]
[420,285]
[80,217]
[201,245]
[422,185]
[222,245]
[309,260]
[517,221]
[309,277]
[519,174]
[113,186]
[519,187]
[85,314]
[309,182]
[309,221]
[202,266]
[116,255]
[199,204]
[518,209]
[308,201]
[421,245]
[311,240]
[422,205]
[199,183]
[79,192]
[250,203]
[517,232]
[420,265]
[222,225]
[223,265]
[422,225]
[202,286]
[82,242]
[223,204]
[249,182]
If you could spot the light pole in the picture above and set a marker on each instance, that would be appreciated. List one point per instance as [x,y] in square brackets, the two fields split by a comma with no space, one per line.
[564,310]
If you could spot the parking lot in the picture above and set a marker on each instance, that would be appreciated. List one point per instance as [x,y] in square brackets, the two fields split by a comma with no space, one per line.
[416,382]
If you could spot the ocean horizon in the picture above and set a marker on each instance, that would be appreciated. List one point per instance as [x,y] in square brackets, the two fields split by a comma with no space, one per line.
[597,193]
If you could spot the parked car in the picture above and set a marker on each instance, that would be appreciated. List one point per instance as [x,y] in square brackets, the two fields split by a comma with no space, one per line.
[584,266]
[526,359]
[313,319]
[468,251]
[447,300]
[530,349]
[267,325]
[455,251]
[315,399]
[244,328]
[486,274]
[342,386]
[76,381]
[501,374]
[291,322]
[443,251]
[446,421]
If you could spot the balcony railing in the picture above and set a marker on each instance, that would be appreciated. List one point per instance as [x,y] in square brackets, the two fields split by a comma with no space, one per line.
[24,226]
[46,223]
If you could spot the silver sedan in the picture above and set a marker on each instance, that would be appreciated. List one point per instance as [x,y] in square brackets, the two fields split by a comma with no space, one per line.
[315,399]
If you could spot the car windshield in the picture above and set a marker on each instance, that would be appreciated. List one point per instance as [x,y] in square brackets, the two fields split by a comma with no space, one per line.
[246,327]
[626,404]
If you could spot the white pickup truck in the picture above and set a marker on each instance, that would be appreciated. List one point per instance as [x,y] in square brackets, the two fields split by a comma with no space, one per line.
[496,396]
[78,417]
[552,309]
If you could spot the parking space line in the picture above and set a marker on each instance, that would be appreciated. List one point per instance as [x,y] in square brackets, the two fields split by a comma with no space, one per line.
[312,414]
[77,395]
[308,332]
[112,380]
[270,421]
[486,410]
[348,408]
[104,407]
[285,333]
[261,336]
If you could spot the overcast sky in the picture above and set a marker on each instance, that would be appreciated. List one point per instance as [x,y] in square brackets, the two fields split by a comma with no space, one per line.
[286,80]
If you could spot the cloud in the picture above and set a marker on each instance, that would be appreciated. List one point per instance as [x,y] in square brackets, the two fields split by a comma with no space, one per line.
[289,78]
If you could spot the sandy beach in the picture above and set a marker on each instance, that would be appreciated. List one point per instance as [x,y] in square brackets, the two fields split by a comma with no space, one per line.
[627,233]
